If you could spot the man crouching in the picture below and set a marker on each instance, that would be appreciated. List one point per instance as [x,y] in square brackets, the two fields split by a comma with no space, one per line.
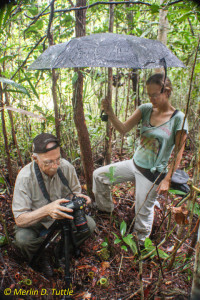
[38,194]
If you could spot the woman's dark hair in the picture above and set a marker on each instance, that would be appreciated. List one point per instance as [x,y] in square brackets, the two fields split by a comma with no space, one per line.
[158,79]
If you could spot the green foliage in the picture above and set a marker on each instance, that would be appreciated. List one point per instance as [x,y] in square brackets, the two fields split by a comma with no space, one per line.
[149,248]
[177,192]
[125,239]
[22,26]
[195,209]
[155,8]
[2,180]
[26,78]
[75,78]
[3,240]
[111,174]
[4,15]
[16,85]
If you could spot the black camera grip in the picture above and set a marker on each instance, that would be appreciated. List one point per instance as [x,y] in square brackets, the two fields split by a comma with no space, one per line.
[103,116]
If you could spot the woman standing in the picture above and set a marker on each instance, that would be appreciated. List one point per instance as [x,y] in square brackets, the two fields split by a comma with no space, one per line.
[161,132]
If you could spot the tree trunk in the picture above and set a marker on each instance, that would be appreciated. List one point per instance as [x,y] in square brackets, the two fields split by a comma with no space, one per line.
[162,30]
[13,131]
[79,118]
[134,72]
[163,25]
[55,102]
[9,165]
[196,277]
[54,75]
[108,139]
[134,78]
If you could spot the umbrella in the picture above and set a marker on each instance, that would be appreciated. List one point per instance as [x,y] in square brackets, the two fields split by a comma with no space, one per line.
[107,50]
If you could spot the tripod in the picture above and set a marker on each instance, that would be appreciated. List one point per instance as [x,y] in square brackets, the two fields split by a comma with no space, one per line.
[67,237]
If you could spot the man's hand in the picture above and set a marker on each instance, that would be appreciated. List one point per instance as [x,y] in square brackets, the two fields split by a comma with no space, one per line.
[56,211]
[88,200]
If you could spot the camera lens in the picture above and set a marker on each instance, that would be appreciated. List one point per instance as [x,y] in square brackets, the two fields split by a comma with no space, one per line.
[80,221]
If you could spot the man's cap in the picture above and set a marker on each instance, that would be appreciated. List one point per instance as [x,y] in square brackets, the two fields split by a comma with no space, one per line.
[41,141]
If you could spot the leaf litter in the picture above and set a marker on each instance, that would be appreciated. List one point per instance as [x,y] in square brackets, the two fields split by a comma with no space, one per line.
[104,269]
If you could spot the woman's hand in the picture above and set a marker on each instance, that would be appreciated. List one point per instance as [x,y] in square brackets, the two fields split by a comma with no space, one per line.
[163,187]
[106,107]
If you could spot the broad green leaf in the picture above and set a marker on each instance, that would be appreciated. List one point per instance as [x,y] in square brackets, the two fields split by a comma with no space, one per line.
[31,85]
[177,192]
[39,24]
[134,248]
[147,243]
[162,254]
[7,15]
[2,180]
[117,241]
[155,8]
[115,235]
[129,241]
[74,78]
[16,85]
[123,227]
[124,248]
[183,18]
[104,244]
[33,10]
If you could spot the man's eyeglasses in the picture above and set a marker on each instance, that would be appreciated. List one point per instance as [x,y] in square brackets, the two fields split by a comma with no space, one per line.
[49,163]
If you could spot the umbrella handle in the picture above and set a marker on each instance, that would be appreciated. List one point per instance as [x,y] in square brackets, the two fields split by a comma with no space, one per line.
[163,62]
[103,116]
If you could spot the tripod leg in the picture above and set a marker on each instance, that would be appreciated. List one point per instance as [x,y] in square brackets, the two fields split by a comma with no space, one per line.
[66,234]
[44,244]
[76,248]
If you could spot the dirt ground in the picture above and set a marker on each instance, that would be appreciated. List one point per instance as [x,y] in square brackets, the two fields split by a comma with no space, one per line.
[104,270]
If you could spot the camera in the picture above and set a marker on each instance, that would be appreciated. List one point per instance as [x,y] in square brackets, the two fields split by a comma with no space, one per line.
[80,221]
[103,116]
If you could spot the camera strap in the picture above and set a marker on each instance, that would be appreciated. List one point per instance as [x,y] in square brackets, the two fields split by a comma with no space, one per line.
[63,179]
[42,184]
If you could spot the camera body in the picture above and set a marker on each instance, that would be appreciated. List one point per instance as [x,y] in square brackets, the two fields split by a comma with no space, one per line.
[80,221]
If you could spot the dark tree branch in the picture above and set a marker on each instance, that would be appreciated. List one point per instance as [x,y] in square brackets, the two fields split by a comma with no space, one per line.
[101,2]
[111,3]
[24,62]
[50,22]
[73,8]
[37,17]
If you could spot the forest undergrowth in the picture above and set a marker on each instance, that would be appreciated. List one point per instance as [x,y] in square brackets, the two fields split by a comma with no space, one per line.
[111,264]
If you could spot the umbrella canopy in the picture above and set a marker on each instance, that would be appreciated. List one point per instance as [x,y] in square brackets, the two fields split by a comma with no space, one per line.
[107,50]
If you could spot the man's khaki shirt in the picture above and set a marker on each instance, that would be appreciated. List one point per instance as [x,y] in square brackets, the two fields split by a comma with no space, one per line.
[28,195]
